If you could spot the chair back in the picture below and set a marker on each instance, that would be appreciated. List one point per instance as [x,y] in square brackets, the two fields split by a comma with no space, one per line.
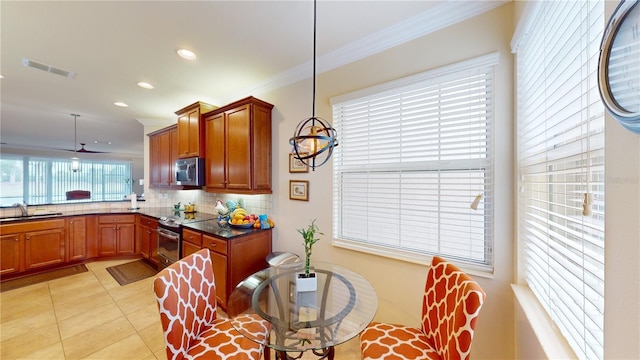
[451,304]
[78,194]
[186,295]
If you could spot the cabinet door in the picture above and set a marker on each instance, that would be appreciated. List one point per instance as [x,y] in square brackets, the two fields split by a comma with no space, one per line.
[189,134]
[188,248]
[164,156]
[173,155]
[9,254]
[77,238]
[154,160]
[43,248]
[107,240]
[126,239]
[261,150]
[215,151]
[219,263]
[153,246]
[238,154]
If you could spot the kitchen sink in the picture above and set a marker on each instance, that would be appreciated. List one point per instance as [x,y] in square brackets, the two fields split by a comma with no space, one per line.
[30,217]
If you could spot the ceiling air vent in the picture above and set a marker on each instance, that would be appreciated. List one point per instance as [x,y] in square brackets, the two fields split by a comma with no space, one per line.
[48,68]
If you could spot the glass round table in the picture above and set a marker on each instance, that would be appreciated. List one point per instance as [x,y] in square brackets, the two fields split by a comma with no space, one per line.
[342,305]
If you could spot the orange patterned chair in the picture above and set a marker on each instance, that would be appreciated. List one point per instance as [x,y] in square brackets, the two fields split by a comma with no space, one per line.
[450,307]
[186,295]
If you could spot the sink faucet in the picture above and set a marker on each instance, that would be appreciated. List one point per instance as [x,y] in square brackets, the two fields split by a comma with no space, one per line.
[23,208]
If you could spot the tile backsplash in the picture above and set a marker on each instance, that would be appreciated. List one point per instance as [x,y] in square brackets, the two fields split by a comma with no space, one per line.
[204,201]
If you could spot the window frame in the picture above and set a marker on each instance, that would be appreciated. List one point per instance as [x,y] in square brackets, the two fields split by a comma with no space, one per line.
[430,77]
[53,194]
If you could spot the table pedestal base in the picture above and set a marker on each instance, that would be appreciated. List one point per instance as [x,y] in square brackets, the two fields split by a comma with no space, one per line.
[326,353]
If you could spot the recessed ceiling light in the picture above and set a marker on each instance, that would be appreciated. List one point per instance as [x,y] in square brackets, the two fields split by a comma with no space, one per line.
[145,85]
[187,54]
[120,103]
[102,142]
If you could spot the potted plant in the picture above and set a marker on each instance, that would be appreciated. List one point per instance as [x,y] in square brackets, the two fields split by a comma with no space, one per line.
[307,281]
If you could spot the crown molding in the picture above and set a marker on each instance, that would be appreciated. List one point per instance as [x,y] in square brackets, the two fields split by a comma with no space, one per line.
[436,18]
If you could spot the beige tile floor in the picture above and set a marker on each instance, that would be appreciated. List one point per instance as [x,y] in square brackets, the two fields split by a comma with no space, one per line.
[90,316]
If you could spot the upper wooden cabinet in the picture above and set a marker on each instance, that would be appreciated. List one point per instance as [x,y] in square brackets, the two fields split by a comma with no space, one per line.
[191,136]
[238,147]
[162,156]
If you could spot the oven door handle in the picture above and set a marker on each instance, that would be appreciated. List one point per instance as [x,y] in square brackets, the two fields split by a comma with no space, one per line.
[169,234]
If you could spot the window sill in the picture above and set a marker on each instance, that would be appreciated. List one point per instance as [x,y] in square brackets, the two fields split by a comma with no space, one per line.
[553,344]
[422,259]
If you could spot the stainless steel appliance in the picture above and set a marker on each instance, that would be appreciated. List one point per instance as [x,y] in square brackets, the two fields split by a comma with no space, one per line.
[170,234]
[168,242]
[190,172]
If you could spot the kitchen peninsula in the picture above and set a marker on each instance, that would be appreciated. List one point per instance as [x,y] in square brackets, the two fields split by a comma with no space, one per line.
[36,244]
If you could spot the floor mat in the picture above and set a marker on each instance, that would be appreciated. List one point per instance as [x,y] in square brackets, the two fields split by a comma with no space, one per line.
[38,278]
[132,272]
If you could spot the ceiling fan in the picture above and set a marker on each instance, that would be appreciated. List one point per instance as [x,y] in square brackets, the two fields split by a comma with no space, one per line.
[83,150]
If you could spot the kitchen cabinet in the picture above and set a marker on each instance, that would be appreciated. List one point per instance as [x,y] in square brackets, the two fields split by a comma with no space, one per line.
[218,251]
[162,156]
[147,238]
[10,254]
[32,245]
[191,136]
[233,259]
[77,227]
[44,248]
[191,242]
[238,147]
[116,235]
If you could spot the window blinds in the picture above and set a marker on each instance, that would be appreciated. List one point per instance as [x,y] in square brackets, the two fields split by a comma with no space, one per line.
[47,179]
[560,141]
[413,156]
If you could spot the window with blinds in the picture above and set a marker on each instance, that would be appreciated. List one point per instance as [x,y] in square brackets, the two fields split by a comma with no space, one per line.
[42,180]
[413,175]
[560,144]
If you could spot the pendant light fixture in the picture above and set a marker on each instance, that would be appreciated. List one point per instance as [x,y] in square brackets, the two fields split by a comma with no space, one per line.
[75,160]
[313,139]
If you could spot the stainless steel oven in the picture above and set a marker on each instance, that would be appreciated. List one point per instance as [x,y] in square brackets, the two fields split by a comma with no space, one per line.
[168,246]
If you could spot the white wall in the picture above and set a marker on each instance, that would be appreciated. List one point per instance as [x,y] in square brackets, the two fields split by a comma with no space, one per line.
[400,285]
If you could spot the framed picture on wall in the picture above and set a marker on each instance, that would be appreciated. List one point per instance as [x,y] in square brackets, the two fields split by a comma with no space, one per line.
[299,190]
[297,166]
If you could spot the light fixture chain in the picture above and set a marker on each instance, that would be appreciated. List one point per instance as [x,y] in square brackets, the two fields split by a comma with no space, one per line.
[313,109]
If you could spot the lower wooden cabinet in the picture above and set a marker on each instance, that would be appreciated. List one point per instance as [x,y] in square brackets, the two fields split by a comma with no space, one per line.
[147,238]
[77,238]
[10,254]
[233,259]
[44,248]
[32,245]
[116,235]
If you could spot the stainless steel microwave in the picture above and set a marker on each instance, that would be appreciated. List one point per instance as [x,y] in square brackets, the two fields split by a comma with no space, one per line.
[190,172]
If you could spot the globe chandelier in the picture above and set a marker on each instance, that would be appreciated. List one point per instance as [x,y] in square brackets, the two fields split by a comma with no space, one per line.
[313,139]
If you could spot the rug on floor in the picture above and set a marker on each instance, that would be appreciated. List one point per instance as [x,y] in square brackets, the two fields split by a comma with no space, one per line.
[42,277]
[132,271]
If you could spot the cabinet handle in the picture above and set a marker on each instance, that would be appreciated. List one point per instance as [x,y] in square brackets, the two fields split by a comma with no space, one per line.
[16,239]
[212,245]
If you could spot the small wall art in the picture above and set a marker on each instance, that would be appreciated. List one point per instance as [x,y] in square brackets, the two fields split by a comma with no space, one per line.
[297,166]
[299,190]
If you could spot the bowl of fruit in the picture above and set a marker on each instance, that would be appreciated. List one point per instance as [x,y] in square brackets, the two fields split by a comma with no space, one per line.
[241,219]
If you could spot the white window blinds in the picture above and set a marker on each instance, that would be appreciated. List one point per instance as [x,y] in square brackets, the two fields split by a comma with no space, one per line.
[414,154]
[560,141]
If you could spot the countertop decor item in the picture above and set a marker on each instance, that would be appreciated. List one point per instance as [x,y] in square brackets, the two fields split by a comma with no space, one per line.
[314,138]
[307,281]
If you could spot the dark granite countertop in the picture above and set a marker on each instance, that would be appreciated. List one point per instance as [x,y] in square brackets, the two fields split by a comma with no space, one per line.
[211,227]
[207,225]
